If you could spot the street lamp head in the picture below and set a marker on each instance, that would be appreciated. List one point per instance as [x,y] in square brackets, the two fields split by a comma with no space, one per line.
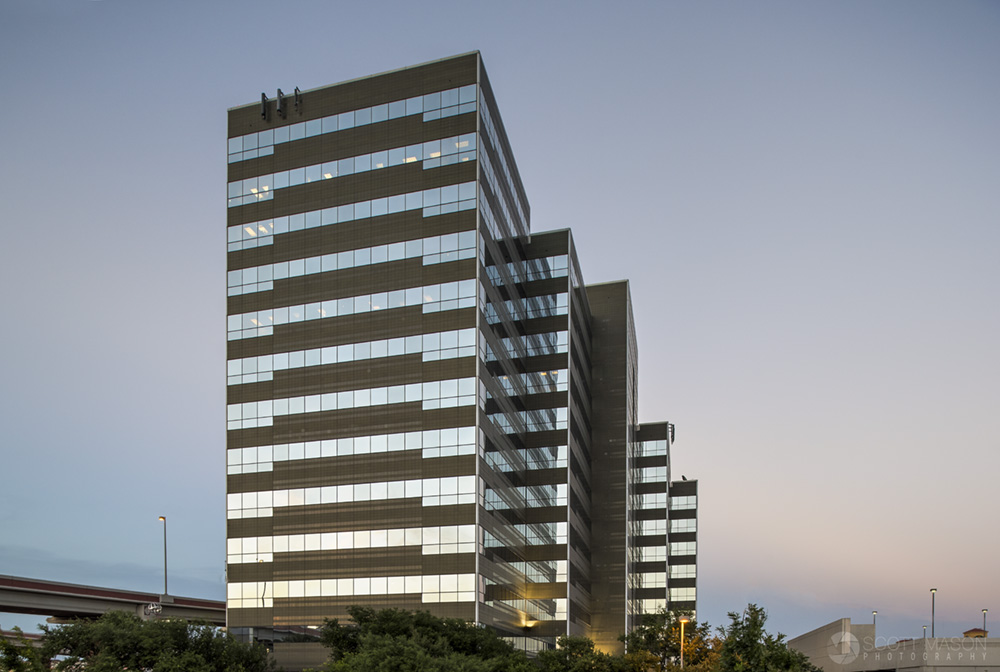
[985,610]
[874,612]
[933,590]
[683,620]
[162,519]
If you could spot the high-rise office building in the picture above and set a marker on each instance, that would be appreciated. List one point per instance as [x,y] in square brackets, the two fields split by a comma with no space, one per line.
[427,407]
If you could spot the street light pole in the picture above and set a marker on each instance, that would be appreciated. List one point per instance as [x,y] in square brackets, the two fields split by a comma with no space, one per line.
[933,595]
[163,519]
[925,632]
[682,621]
[984,619]
[874,616]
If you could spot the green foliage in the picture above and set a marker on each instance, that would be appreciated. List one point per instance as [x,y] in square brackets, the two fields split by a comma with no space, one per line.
[118,641]
[21,655]
[748,647]
[577,654]
[656,644]
[394,639]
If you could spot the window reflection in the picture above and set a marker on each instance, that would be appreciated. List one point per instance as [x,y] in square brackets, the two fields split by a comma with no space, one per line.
[684,503]
[433,347]
[432,588]
[433,250]
[445,151]
[682,594]
[437,201]
[653,579]
[652,527]
[432,443]
[652,553]
[653,448]
[652,475]
[683,571]
[652,605]
[520,220]
[435,540]
[432,395]
[653,500]
[445,491]
[683,547]
[684,525]
[431,298]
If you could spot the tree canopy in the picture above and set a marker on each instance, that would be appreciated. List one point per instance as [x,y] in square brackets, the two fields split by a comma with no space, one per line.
[121,641]
[397,640]
[656,644]
[748,647]
[394,639]
[577,654]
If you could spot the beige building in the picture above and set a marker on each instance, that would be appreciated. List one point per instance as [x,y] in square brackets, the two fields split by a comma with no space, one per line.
[845,647]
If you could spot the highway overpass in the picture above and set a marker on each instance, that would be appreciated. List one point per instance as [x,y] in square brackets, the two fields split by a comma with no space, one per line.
[65,601]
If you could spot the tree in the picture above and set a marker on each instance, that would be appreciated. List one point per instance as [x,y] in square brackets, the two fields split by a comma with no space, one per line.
[395,639]
[577,654]
[748,647]
[118,641]
[656,643]
[21,655]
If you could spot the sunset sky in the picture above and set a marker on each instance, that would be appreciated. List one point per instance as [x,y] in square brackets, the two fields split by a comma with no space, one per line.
[804,196]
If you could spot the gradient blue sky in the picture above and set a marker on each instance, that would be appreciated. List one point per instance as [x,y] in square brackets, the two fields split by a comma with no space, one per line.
[805,197]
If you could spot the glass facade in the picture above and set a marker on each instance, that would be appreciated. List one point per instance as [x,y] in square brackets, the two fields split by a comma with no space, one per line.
[683,560]
[666,525]
[416,384]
